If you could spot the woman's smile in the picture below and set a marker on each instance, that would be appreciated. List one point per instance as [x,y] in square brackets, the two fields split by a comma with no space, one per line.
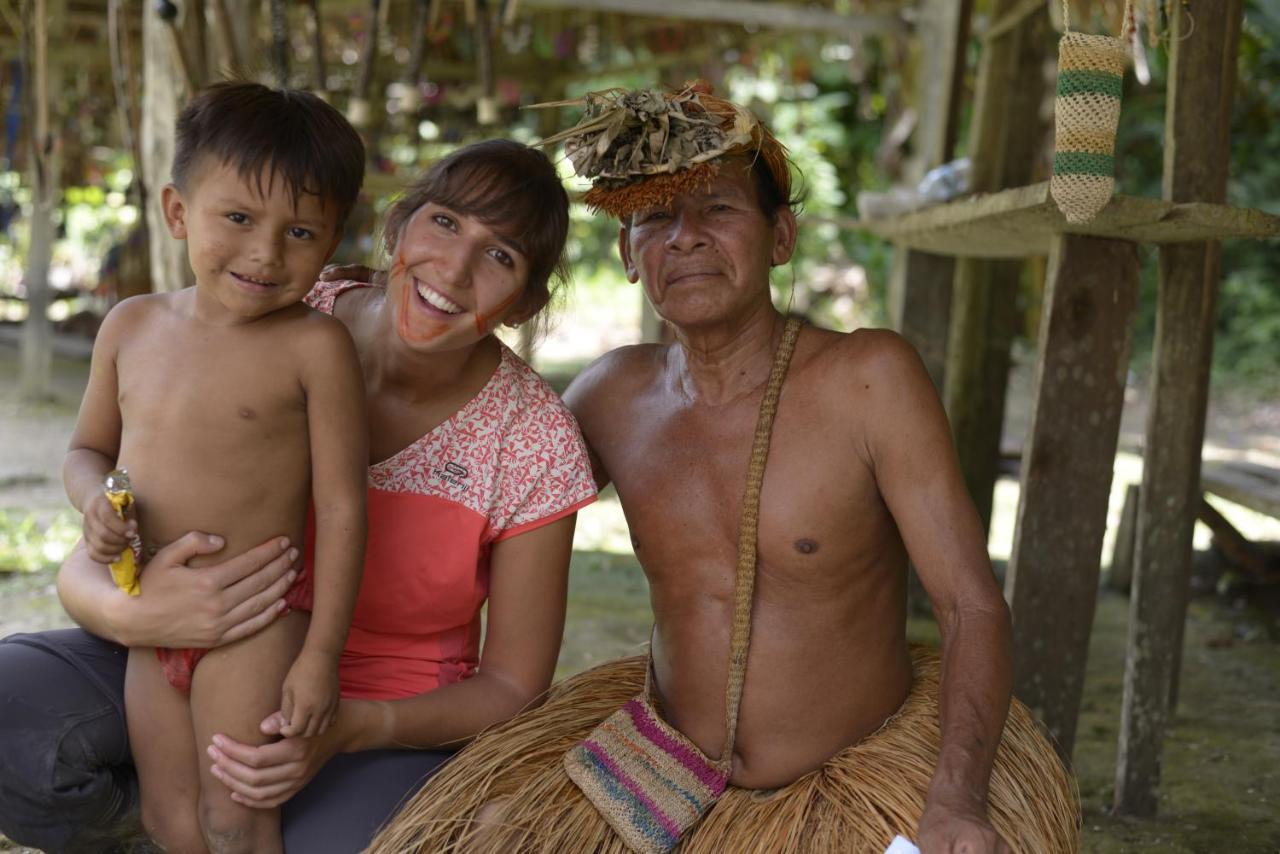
[434,301]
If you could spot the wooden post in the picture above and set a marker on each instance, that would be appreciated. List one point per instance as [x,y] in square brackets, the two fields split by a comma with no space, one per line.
[1005,137]
[1120,575]
[229,62]
[920,283]
[280,49]
[358,110]
[37,332]
[1052,585]
[487,103]
[315,29]
[1201,86]
[163,90]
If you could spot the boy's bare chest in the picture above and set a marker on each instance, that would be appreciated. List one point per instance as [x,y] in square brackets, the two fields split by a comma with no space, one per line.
[226,387]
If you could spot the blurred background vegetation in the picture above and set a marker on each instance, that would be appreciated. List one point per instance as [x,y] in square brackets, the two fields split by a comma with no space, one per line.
[837,103]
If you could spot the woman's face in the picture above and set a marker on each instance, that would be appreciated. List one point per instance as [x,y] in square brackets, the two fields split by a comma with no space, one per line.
[453,279]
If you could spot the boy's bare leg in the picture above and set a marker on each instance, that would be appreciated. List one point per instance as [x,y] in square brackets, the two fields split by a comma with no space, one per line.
[233,689]
[164,753]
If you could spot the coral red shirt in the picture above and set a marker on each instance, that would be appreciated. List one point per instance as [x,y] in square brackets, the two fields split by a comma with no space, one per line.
[509,461]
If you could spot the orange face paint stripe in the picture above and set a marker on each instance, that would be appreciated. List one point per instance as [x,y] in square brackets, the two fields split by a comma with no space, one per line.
[482,319]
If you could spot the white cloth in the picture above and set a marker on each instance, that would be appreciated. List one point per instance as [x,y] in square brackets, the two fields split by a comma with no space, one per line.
[901,845]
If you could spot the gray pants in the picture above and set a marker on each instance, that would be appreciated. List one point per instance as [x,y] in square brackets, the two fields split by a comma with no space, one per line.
[67,782]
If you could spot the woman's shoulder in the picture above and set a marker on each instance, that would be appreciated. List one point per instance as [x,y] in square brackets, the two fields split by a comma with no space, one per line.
[534,404]
[323,295]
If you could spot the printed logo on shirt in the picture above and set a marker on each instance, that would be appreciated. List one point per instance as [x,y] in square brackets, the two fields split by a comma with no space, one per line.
[452,474]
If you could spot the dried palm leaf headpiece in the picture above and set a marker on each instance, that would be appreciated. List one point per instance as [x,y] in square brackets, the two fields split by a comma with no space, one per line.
[644,147]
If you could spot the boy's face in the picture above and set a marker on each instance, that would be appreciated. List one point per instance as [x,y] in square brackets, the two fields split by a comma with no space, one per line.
[252,252]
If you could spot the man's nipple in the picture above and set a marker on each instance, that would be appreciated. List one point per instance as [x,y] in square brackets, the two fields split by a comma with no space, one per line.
[805,546]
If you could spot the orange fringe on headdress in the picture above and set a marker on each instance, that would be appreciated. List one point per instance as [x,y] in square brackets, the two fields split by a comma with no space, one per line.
[650,192]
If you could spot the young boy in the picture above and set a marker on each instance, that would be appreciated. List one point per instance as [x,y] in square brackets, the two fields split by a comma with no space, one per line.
[233,405]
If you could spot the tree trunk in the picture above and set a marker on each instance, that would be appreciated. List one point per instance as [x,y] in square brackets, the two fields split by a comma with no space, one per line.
[162,93]
[37,332]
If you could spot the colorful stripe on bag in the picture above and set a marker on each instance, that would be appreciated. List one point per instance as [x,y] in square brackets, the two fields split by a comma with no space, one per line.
[714,780]
[1088,82]
[649,782]
[1084,163]
[644,813]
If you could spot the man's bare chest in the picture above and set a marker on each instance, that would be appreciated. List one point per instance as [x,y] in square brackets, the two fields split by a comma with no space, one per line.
[681,480]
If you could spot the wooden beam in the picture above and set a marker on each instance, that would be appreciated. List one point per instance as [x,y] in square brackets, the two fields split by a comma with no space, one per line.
[1052,582]
[777,16]
[1237,550]
[1246,484]
[1201,84]
[1023,221]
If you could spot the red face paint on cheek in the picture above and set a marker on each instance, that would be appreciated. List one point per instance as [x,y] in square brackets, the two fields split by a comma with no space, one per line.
[411,325]
[483,319]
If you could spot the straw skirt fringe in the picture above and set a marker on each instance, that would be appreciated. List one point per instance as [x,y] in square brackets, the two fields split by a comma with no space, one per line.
[856,802]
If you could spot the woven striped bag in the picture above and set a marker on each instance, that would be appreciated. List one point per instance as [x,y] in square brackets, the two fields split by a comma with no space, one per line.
[648,781]
[1086,114]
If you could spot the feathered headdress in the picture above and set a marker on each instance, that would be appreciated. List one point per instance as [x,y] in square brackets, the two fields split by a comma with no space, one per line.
[643,147]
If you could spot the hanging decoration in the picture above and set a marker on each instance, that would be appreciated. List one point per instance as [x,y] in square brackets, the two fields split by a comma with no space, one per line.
[1087,112]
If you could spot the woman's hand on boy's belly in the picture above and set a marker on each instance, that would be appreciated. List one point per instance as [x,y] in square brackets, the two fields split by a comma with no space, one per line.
[221,603]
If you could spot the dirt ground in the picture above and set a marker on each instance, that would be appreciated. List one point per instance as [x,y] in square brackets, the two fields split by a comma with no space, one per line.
[1221,773]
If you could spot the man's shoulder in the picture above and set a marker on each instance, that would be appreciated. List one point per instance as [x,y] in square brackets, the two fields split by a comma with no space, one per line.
[866,353]
[620,371]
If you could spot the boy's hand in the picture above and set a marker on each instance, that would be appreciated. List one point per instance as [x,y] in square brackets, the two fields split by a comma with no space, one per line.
[309,700]
[106,535]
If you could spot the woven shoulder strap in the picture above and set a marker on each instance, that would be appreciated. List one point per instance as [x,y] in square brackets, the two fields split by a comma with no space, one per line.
[745,583]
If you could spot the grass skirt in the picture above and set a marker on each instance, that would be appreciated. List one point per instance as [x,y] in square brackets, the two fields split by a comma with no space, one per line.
[856,802]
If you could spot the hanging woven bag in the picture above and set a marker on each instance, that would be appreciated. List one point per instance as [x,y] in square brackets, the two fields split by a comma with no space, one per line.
[1086,113]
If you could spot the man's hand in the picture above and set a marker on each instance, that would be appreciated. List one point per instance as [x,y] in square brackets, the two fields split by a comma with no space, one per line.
[309,699]
[352,273]
[950,830]
[106,535]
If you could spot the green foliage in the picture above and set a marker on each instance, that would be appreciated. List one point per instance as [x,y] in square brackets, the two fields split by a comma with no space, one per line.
[28,546]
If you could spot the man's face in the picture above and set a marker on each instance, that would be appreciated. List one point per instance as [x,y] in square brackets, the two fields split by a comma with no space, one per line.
[704,259]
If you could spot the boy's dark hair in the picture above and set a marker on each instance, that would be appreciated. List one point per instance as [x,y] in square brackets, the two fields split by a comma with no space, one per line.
[285,133]
[510,187]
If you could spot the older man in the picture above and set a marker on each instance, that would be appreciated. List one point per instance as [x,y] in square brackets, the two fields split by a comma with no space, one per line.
[844,737]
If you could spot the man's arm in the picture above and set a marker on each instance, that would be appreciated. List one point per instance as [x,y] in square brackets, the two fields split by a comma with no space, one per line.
[591,397]
[909,445]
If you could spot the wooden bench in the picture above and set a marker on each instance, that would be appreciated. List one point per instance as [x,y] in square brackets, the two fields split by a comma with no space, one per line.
[1250,485]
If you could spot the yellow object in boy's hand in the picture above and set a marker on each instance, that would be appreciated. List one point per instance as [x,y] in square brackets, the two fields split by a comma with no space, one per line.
[124,569]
